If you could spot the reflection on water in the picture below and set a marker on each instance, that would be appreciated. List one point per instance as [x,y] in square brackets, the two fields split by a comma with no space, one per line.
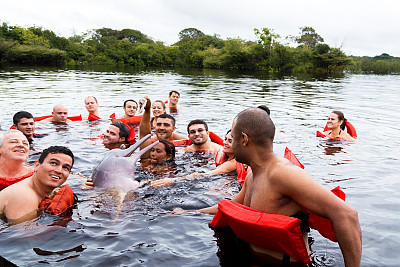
[145,232]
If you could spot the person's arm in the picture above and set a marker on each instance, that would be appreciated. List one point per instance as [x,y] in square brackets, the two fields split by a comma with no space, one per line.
[348,137]
[20,206]
[145,127]
[308,193]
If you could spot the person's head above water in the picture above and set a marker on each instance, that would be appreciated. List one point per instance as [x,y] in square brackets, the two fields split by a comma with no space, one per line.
[164,151]
[198,132]
[130,107]
[173,98]
[336,119]
[13,146]
[57,150]
[251,127]
[24,122]
[158,108]
[91,105]
[60,113]
[165,126]
[117,132]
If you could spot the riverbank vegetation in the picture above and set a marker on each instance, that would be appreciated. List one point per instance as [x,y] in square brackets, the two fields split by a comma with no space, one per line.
[305,53]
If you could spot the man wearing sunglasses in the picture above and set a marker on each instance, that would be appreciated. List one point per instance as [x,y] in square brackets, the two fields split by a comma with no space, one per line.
[199,136]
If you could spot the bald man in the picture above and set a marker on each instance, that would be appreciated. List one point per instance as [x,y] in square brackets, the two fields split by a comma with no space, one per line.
[59,115]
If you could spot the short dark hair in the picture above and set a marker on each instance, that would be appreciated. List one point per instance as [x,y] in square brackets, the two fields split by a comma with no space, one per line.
[193,122]
[168,116]
[126,101]
[265,108]
[169,148]
[20,115]
[57,150]
[257,124]
[176,92]
[123,129]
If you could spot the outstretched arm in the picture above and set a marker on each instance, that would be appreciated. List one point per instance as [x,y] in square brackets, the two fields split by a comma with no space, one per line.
[145,127]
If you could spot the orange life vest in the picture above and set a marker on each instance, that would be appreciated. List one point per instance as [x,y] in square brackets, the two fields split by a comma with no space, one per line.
[6,181]
[129,120]
[71,118]
[60,202]
[271,231]
[349,127]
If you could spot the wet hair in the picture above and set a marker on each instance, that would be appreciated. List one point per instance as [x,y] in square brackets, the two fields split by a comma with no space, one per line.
[193,122]
[20,115]
[4,134]
[257,124]
[162,104]
[126,101]
[169,148]
[341,118]
[265,108]
[230,130]
[168,116]
[95,99]
[123,129]
[56,150]
[176,92]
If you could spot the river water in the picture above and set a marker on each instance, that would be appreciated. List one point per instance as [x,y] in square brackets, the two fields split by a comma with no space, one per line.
[145,232]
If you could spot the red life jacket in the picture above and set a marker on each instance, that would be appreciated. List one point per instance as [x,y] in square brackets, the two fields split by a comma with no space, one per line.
[60,202]
[71,118]
[129,120]
[292,157]
[220,158]
[272,231]
[349,127]
[6,181]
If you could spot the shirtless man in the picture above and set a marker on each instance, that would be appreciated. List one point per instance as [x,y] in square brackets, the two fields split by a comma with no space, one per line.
[130,107]
[173,99]
[277,186]
[92,106]
[24,122]
[165,127]
[198,135]
[59,115]
[19,202]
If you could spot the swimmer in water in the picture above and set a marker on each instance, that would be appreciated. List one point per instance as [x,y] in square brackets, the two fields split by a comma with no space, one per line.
[337,124]
[157,108]
[59,115]
[116,135]
[14,150]
[228,165]
[199,136]
[173,99]
[130,107]
[92,106]
[162,157]
[277,186]
[20,202]
[24,122]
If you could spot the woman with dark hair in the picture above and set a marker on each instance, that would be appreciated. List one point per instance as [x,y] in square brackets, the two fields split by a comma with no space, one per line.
[337,124]
[161,159]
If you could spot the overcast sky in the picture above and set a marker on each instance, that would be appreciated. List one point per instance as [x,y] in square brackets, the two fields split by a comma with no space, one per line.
[359,27]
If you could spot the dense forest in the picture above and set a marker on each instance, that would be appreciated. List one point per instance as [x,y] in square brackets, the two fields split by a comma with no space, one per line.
[105,46]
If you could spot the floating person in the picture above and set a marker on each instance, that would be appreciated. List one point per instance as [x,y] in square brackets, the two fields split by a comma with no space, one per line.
[277,186]
[25,122]
[158,108]
[14,150]
[116,135]
[199,136]
[165,127]
[172,103]
[92,106]
[59,115]
[20,202]
[225,161]
[162,158]
[337,124]
[130,108]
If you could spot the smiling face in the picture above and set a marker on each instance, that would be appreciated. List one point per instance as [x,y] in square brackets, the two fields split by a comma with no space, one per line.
[111,136]
[130,108]
[60,114]
[15,147]
[158,154]
[333,121]
[157,109]
[27,127]
[227,145]
[198,134]
[91,104]
[54,170]
[164,128]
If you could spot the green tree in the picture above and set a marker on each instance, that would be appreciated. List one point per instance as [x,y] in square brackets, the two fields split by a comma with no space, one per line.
[308,37]
[190,33]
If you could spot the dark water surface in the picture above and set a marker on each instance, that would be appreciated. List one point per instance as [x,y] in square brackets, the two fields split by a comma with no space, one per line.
[145,233]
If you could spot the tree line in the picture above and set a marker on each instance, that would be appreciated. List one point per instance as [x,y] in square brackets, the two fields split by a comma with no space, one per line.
[307,54]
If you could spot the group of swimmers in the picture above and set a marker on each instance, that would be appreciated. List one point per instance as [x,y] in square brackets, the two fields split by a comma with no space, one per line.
[272,184]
